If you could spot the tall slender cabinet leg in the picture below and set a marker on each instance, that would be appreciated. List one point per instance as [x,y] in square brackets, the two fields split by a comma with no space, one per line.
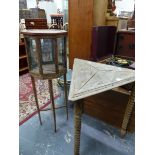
[36,99]
[77,126]
[128,112]
[65,94]
[52,101]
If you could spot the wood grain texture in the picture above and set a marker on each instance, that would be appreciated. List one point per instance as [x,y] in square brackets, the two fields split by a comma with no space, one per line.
[78,109]
[23,65]
[36,23]
[125,45]
[110,107]
[80,27]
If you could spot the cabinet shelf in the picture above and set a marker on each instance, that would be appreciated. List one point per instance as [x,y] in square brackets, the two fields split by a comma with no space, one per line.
[22,69]
[23,56]
[21,44]
[23,66]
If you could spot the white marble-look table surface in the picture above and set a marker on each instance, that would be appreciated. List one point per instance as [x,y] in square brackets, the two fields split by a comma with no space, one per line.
[90,78]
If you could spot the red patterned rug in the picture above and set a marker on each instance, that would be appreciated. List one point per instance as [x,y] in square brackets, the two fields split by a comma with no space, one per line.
[27,106]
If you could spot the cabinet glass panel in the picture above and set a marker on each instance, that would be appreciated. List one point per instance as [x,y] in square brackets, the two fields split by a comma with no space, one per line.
[31,53]
[46,55]
[61,52]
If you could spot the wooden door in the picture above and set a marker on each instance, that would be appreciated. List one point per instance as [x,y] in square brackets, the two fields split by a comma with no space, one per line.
[80,28]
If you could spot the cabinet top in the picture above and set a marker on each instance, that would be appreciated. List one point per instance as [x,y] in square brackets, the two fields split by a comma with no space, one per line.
[90,78]
[56,15]
[130,31]
[44,32]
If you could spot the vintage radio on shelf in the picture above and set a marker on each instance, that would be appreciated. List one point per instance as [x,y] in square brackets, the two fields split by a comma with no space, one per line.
[36,23]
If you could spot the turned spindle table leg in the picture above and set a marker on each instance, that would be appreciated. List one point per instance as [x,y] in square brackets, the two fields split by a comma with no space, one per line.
[77,126]
[36,99]
[128,112]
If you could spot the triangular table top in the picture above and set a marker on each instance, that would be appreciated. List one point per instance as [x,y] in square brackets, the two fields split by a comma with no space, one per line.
[90,78]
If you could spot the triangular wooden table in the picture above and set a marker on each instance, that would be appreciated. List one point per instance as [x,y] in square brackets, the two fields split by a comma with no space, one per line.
[90,78]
